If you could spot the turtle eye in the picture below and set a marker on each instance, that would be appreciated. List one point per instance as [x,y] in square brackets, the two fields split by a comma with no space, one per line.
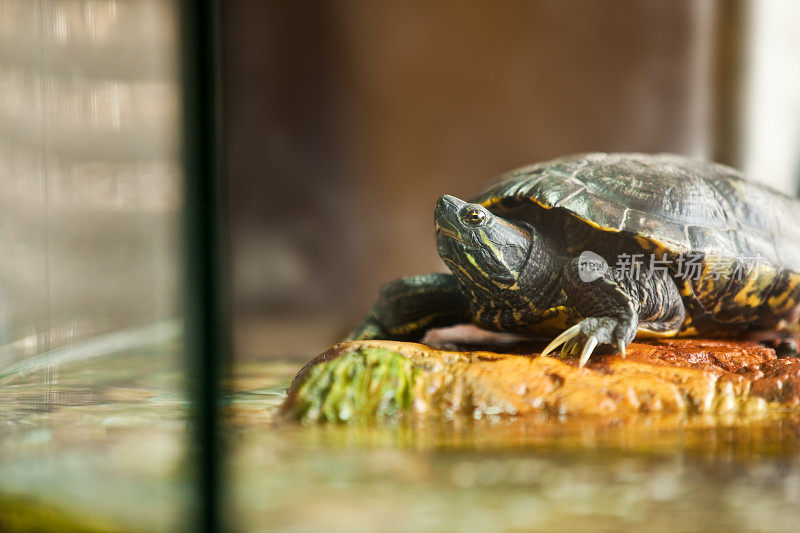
[473,217]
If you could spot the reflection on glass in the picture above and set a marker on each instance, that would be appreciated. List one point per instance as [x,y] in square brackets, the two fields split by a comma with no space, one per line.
[90,193]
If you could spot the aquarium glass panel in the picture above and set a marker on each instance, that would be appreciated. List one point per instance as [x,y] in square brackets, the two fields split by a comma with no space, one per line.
[92,403]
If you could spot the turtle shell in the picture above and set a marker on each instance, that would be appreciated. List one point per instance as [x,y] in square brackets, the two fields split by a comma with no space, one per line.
[745,236]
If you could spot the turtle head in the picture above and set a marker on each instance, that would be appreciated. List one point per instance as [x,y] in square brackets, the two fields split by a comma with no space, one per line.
[480,248]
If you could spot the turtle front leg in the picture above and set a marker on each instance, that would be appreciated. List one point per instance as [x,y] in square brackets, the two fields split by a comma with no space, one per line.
[408,307]
[610,311]
[615,308]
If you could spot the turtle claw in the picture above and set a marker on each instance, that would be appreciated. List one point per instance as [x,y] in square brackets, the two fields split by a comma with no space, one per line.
[584,337]
[588,348]
[565,350]
[571,345]
[563,338]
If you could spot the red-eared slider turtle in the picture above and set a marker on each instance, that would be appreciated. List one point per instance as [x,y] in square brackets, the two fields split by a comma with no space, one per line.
[606,245]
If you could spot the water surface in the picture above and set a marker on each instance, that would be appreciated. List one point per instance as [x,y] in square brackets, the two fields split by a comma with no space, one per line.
[105,439]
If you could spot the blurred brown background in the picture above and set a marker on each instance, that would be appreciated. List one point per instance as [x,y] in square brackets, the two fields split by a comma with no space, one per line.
[347,119]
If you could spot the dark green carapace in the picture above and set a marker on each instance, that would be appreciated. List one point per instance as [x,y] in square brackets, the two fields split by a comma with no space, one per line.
[606,245]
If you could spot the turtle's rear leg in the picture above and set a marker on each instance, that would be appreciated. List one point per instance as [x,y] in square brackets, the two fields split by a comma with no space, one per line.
[786,343]
[408,307]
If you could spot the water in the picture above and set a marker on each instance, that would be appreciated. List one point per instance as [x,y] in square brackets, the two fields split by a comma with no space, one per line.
[104,440]
[98,437]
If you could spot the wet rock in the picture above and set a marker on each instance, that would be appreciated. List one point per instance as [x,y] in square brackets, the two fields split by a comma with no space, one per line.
[368,379]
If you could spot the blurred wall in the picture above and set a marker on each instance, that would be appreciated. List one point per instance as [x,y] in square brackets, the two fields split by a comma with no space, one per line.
[771,94]
[347,119]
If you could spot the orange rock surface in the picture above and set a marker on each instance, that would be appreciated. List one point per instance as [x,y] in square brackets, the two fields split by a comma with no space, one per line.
[692,376]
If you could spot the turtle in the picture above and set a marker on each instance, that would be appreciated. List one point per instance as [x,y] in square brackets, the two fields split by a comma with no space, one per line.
[600,247]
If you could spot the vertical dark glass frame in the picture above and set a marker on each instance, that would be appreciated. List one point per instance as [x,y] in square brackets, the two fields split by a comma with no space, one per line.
[206,327]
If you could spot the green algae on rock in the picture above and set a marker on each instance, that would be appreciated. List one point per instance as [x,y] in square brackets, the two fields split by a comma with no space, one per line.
[365,383]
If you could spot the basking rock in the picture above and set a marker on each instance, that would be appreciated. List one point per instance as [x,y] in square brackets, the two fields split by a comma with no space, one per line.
[365,380]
